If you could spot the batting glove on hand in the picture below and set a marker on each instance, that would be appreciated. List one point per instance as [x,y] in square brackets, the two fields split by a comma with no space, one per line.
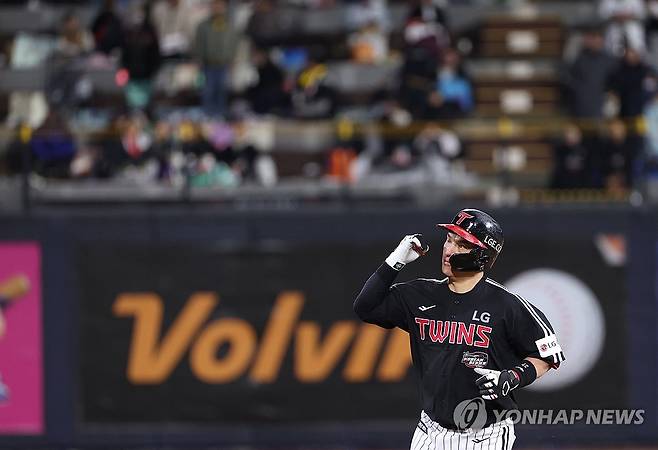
[410,248]
[496,383]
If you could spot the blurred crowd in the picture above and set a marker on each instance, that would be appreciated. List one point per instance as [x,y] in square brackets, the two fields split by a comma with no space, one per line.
[611,89]
[223,64]
[202,82]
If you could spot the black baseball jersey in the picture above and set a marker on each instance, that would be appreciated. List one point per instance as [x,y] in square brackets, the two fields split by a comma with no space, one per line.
[451,334]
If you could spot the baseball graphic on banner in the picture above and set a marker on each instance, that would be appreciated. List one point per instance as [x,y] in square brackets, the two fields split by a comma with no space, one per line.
[576,315]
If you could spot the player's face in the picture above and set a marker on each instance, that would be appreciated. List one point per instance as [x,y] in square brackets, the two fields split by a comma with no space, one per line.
[453,245]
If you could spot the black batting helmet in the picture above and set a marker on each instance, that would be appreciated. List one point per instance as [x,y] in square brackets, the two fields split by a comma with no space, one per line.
[479,228]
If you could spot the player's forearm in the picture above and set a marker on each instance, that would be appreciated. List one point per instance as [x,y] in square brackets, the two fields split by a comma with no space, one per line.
[374,290]
[540,365]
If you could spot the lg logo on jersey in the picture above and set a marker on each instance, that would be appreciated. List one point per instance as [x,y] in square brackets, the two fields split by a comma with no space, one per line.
[483,317]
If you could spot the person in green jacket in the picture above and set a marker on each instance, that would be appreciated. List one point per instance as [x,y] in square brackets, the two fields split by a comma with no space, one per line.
[215,46]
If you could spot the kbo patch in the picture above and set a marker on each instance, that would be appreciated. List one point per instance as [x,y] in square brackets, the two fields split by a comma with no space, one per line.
[475,359]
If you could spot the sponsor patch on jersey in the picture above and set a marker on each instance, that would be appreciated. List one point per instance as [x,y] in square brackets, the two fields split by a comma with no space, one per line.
[475,359]
[548,346]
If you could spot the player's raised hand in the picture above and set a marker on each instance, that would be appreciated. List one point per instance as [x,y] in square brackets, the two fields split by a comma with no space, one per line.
[496,383]
[409,249]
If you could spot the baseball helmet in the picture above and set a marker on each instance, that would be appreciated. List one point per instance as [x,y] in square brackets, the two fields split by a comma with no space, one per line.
[479,228]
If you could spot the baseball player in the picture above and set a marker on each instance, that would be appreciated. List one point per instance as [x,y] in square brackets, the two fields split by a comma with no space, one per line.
[473,342]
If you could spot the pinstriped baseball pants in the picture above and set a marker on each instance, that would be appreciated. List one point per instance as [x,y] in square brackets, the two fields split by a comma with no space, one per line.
[429,435]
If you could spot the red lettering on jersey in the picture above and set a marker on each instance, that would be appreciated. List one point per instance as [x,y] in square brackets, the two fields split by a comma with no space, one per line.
[439,330]
[465,335]
[422,323]
[461,217]
[453,331]
[482,332]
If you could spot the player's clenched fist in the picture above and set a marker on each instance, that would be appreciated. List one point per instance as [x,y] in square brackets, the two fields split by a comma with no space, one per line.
[410,248]
[499,383]
[496,383]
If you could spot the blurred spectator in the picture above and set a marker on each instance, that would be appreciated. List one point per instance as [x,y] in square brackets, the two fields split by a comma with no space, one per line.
[453,83]
[311,97]
[586,78]
[429,12]
[339,163]
[52,147]
[74,40]
[136,139]
[107,29]
[213,145]
[131,150]
[634,82]
[651,117]
[572,167]
[209,172]
[397,158]
[163,148]
[426,34]
[268,95]
[398,153]
[218,137]
[31,107]
[253,143]
[651,25]
[215,48]
[651,30]
[110,152]
[624,24]
[452,96]
[618,154]
[141,58]
[266,27]
[175,22]
[441,152]
[65,83]
[369,45]
[84,163]
[425,39]
[342,157]
[651,147]
[363,12]
[292,59]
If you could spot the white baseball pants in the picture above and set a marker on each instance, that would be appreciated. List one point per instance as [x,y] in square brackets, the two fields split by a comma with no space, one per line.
[429,435]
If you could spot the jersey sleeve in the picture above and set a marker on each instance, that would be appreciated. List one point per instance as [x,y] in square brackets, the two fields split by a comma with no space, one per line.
[380,303]
[531,334]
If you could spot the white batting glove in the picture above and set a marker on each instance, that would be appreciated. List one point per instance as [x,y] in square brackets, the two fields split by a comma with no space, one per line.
[409,249]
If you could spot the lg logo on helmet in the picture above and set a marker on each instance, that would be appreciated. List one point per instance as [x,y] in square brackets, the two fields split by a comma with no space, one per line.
[491,242]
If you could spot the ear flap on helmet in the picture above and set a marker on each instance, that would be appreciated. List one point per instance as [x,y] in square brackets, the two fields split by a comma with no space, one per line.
[476,260]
